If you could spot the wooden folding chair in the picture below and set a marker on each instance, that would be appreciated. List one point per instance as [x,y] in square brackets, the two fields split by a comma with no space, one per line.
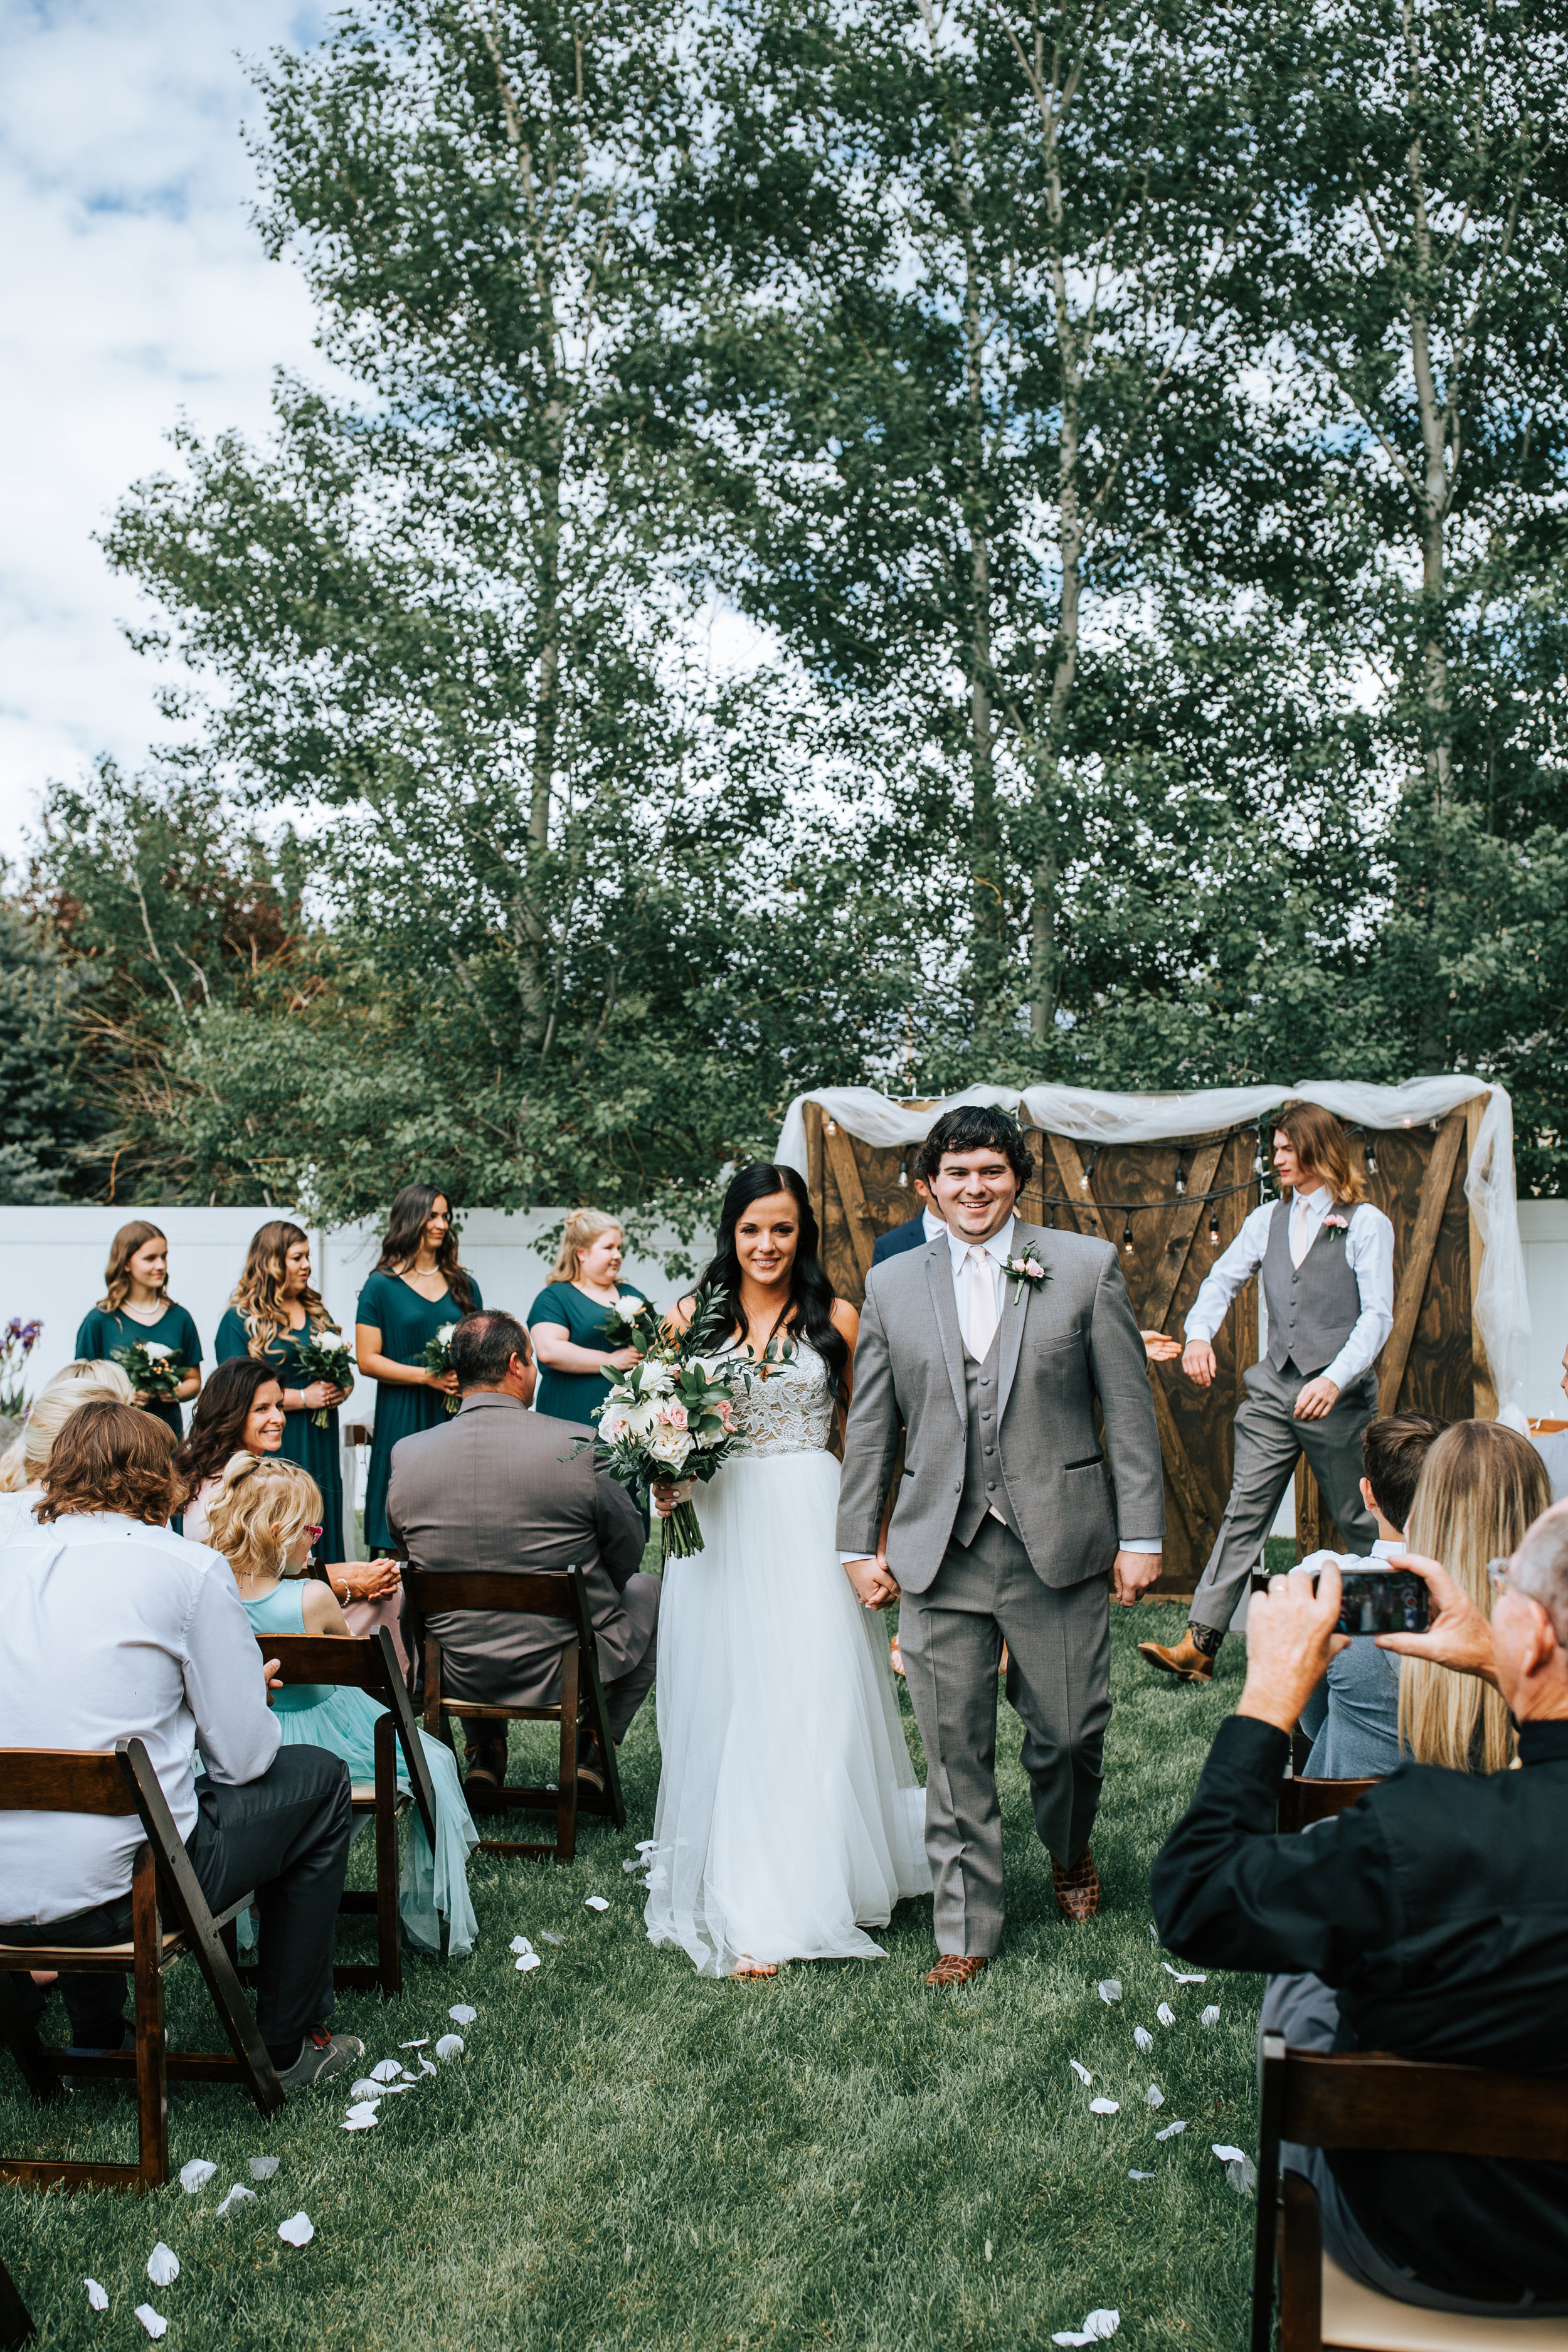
[1368,2100]
[63,1781]
[562,1594]
[369,1663]
[1303,1801]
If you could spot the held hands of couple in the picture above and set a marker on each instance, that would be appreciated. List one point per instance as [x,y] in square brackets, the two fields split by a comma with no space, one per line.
[873,1581]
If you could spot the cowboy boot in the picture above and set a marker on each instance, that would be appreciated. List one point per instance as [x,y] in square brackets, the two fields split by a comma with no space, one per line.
[1187,1661]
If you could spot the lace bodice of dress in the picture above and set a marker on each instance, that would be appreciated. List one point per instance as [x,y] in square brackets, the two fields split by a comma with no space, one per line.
[792,1411]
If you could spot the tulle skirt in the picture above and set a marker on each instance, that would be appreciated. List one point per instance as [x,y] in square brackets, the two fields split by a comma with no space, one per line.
[789,1816]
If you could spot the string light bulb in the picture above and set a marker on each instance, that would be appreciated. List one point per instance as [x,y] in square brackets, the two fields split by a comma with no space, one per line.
[903,1178]
[1127,1231]
[1086,1177]
[1370,1155]
[1180,1177]
[833,1126]
[1214,1224]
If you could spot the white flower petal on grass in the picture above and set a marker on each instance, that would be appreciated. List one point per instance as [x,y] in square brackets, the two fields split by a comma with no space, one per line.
[1169,1971]
[636,1862]
[415,2045]
[520,1944]
[1171,2130]
[462,2014]
[647,1845]
[262,2167]
[297,2231]
[596,1903]
[1242,2177]
[1097,2326]
[152,2321]
[1104,2107]
[162,2264]
[1109,1989]
[426,2068]
[386,2071]
[1144,2038]
[1165,2013]
[529,1960]
[546,1938]
[362,2114]
[365,2089]
[96,2298]
[1153,1939]
[1141,2176]
[1154,2096]
[449,2047]
[359,2122]
[195,2176]
[1210,2016]
[1226,2153]
[1081,2070]
[238,2196]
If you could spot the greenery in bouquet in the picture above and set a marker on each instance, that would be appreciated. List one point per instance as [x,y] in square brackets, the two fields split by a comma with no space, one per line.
[153,1370]
[438,1358]
[320,1361]
[671,1420]
[17,1344]
[633,1323]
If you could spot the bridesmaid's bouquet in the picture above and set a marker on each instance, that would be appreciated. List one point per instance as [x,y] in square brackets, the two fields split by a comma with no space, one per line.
[438,1358]
[320,1363]
[152,1368]
[671,1419]
[632,1323]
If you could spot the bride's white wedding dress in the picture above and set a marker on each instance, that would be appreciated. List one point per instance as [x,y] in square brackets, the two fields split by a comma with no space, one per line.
[789,1816]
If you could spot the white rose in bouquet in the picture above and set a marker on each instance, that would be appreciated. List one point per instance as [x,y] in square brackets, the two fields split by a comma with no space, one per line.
[156,1348]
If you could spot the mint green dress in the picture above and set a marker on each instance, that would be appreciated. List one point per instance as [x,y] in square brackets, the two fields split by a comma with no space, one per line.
[315,1450]
[407,1324]
[101,1333]
[320,1715]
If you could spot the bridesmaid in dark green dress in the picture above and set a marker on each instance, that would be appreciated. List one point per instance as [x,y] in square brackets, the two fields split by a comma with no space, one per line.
[136,1309]
[417,1288]
[567,1321]
[273,1314]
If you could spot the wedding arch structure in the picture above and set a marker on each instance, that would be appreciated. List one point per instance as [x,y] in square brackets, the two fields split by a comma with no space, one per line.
[1168,1180]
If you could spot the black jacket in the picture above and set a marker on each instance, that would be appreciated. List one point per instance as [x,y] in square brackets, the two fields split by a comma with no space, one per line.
[1437,1909]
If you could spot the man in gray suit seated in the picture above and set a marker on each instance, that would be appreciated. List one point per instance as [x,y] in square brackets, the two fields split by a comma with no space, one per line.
[499,1489]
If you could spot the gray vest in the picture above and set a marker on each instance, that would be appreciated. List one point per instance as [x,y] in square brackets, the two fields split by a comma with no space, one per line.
[1313,1308]
[983,1484]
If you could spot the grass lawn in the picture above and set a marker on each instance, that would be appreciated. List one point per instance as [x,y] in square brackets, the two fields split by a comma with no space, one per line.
[630,2156]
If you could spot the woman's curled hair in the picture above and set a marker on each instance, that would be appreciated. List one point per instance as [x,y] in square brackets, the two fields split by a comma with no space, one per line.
[263,1504]
[808,1311]
[218,1424]
[406,1231]
[112,1457]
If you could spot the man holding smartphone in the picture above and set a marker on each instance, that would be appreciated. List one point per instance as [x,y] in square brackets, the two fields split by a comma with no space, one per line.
[1326,1257]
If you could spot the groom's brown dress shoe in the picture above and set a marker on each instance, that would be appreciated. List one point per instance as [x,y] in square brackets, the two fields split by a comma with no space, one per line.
[957,1969]
[1077,1889]
[1185,1661]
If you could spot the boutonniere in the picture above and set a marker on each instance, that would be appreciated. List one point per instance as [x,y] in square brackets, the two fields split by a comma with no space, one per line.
[1334,1223]
[1027,1273]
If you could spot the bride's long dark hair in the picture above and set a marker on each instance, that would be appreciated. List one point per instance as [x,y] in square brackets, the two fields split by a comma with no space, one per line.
[810,1308]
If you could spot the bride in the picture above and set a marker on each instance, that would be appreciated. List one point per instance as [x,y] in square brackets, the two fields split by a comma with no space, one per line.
[789,1817]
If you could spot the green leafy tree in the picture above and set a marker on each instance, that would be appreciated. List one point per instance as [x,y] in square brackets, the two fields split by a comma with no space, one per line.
[47,1123]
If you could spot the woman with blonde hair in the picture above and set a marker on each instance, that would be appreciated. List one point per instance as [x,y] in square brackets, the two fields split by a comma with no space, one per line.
[567,1320]
[274,1316]
[26,1459]
[1481,1487]
[136,1311]
[263,1520]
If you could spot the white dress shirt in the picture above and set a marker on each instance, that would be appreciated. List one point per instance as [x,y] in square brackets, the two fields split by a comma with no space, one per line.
[114,1630]
[930,1225]
[1369,1254]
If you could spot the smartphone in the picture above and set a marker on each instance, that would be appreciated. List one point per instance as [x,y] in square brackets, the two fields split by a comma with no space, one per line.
[1381,1600]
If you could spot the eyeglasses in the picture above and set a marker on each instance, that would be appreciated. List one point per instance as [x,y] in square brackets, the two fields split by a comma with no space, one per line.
[314,1533]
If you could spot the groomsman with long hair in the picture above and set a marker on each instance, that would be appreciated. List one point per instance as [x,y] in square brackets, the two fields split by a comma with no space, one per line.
[1326,1257]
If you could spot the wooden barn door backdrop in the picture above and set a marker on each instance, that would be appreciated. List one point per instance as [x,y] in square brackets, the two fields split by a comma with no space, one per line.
[1170,1208]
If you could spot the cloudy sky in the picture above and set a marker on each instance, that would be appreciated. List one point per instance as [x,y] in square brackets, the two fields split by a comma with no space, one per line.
[132,288]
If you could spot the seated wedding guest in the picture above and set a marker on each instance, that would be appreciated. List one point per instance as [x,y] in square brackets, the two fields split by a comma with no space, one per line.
[1480,1487]
[263,1520]
[502,1489]
[136,1310]
[1427,1921]
[241,1412]
[567,1321]
[24,1460]
[113,1625]
[1353,1719]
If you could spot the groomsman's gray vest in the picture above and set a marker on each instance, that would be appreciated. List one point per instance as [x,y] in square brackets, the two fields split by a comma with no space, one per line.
[1312,1307]
[984,1487]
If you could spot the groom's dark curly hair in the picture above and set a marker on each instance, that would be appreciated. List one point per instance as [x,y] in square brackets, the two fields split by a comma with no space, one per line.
[974,1126]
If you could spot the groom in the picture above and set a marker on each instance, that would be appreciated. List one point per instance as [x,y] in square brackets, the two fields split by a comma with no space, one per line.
[1005,1527]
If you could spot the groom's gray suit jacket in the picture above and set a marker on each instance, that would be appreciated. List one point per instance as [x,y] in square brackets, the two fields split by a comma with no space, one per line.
[1017,1431]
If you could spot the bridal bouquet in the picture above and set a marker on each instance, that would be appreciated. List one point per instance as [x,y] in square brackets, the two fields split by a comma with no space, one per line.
[320,1363]
[671,1418]
[438,1358]
[153,1370]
